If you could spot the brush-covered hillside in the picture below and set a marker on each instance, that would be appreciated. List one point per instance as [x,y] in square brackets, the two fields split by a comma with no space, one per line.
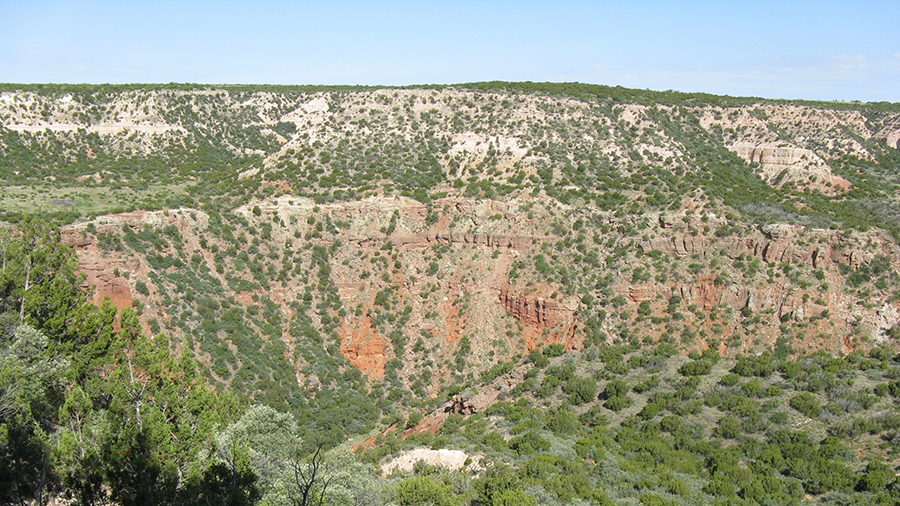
[601,295]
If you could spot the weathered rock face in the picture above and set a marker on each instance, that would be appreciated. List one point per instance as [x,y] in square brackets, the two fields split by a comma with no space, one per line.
[105,283]
[287,206]
[774,155]
[776,243]
[519,243]
[535,311]
[461,405]
[890,134]
[777,274]
[112,274]
[75,235]
[681,245]
[887,317]
[780,162]
[105,273]
[452,460]
[363,347]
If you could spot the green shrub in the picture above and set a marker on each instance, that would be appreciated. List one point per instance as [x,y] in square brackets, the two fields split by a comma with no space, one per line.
[729,428]
[554,350]
[807,404]
[564,421]
[581,390]
[514,497]
[141,288]
[698,367]
[618,403]
[420,490]
[875,477]
[650,410]
[414,418]
[529,442]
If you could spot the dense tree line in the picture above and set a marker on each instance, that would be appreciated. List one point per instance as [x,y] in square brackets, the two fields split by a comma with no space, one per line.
[91,408]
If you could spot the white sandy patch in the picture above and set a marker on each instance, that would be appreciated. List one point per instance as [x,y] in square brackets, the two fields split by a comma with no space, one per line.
[453,460]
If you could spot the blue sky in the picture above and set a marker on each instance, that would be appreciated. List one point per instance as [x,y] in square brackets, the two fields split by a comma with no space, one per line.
[804,49]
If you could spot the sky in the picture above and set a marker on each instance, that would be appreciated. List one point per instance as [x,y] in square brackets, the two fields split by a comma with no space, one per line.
[816,50]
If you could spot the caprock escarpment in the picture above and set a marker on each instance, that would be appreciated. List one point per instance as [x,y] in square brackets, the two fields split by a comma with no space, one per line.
[423,138]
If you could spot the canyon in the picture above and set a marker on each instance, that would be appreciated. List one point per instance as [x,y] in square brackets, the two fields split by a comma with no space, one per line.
[423,235]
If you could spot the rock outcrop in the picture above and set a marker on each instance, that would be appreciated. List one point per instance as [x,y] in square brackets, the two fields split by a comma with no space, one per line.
[780,163]
[681,245]
[364,347]
[100,275]
[535,311]
[461,405]
[774,155]
[776,243]
[519,243]
[76,235]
